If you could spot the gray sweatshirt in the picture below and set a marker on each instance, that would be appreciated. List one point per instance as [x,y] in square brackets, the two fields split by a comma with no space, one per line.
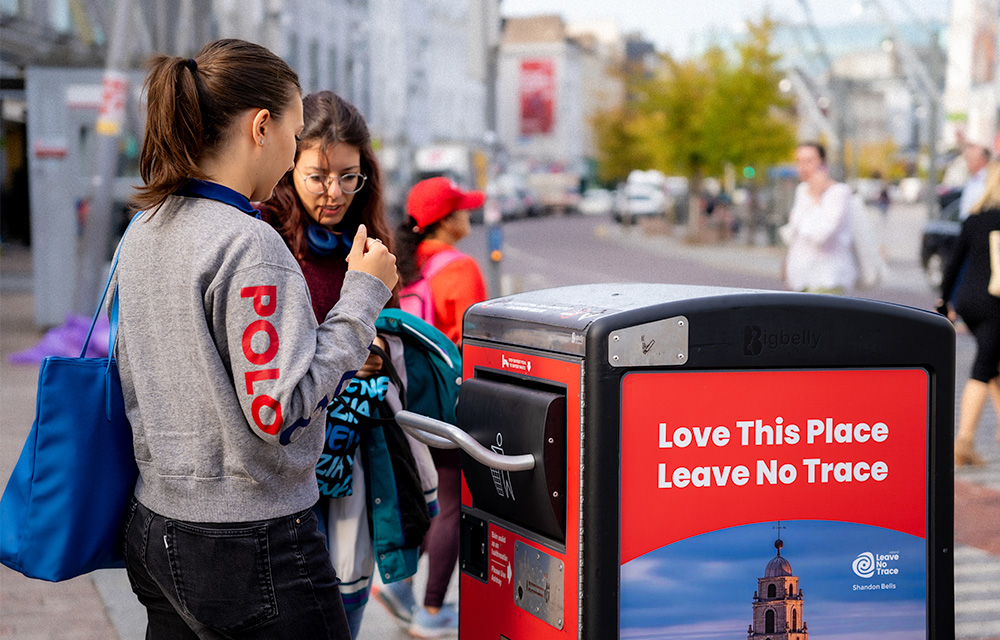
[224,370]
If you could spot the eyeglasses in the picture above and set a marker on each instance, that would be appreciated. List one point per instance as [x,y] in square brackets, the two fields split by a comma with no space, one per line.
[318,183]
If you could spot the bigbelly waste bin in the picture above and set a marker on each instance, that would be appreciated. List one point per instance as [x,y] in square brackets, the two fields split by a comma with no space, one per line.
[657,461]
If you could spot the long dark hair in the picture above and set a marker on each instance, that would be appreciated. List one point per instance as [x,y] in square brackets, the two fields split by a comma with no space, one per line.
[191,104]
[408,237]
[331,120]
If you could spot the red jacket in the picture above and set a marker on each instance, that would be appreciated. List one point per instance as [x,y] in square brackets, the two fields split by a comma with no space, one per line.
[455,288]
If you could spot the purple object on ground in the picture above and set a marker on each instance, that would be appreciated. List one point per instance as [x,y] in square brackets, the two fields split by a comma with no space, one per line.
[67,340]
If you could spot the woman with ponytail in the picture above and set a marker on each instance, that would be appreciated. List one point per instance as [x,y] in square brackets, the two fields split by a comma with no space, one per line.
[225,369]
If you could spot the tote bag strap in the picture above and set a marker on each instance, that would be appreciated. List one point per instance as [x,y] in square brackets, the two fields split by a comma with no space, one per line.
[113,334]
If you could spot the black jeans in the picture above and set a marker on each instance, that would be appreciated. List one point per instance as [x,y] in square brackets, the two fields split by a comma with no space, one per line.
[268,579]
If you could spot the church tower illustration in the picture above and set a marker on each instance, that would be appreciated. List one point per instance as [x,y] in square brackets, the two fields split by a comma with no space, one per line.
[777,603]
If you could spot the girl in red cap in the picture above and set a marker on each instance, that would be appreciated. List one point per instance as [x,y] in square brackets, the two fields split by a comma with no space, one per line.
[438,217]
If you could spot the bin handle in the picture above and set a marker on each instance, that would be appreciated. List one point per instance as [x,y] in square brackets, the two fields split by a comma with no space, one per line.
[442,435]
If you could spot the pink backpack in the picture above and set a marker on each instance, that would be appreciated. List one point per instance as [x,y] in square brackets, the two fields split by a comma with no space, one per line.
[415,298]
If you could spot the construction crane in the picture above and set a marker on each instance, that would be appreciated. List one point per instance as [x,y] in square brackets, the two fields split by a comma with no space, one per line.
[837,128]
[926,89]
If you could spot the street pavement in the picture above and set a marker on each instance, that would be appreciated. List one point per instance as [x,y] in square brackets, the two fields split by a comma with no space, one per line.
[537,254]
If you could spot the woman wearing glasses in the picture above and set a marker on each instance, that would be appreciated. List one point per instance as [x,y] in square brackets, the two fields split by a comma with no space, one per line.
[335,186]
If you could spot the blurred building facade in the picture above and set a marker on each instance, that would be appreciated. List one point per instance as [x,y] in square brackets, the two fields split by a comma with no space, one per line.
[867,84]
[422,72]
[972,90]
[552,78]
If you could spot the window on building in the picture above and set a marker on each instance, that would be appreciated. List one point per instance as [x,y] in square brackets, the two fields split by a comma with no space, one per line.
[60,16]
[314,65]
[348,89]
[293,52]
[795,620]
[772,591]
[331,70]
[791,589]
[769,621]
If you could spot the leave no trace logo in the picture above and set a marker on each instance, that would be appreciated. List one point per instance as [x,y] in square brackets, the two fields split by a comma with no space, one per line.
[864,565]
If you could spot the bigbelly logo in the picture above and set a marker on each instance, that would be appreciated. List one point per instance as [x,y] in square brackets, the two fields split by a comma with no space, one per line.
[756,339]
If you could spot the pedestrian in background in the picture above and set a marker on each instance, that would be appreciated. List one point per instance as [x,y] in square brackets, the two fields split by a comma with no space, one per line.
[221,540]
[335,186]
[976,158]
[438,217]
[979,309]
[820,256]
[882,200]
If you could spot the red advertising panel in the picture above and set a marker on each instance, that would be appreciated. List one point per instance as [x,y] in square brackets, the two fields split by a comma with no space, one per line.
[537,91]
[490,607]
[731,448]
[775,484]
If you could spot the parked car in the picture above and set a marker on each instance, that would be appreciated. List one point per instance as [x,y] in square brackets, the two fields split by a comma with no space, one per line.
[640,201]
[596,202]
[556,191]
[909,190]
[643,195]
[937,242]
[515,197]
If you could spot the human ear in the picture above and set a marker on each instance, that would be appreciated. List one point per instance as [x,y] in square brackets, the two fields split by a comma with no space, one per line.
[261,121]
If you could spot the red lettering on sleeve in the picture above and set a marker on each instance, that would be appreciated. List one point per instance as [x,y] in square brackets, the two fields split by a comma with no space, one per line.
[272,348]
[260,374]
[265,302]
[266,401]
[258,294]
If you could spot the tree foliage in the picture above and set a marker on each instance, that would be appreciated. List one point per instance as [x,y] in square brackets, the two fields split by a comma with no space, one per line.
[693,117]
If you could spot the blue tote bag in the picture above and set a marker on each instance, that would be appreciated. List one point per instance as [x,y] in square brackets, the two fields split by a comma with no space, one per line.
[62,513]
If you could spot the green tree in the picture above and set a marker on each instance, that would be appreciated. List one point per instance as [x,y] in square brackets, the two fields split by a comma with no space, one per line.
[616,147]
[750,123]
[693,117]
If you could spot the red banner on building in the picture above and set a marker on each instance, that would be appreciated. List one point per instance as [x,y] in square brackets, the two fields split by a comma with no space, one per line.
[537,89]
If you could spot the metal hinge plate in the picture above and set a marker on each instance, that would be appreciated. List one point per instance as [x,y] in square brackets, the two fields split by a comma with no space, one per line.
[663,343]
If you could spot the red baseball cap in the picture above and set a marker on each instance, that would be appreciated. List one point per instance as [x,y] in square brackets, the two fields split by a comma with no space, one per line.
[435,198]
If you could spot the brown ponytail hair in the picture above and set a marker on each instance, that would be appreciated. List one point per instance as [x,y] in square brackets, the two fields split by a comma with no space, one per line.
[330,120]
[191,104]
[408,238]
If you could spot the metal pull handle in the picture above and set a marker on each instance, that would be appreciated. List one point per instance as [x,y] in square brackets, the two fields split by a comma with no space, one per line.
[442,435]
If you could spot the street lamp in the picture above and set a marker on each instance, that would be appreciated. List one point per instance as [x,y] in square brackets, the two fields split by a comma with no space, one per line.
[493,218]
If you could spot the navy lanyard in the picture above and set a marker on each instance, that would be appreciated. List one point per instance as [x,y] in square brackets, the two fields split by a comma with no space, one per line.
[215,191]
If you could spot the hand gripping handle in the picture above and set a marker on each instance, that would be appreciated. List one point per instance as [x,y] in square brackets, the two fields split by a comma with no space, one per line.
[442,435]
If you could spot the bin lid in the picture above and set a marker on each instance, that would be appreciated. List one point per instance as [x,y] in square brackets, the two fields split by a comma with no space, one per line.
[558,319]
